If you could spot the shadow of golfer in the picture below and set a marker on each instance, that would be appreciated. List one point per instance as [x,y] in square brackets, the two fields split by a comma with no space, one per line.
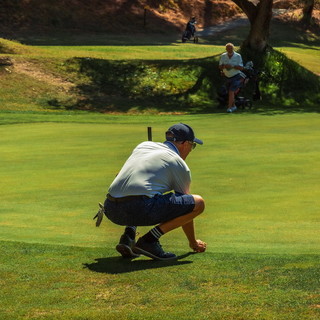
[116,265]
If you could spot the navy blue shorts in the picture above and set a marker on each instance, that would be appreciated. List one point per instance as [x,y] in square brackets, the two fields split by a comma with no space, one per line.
[145,211]
[234,83]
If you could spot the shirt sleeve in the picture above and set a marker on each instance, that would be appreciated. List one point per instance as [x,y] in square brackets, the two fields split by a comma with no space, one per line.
[180,177]
[221,61]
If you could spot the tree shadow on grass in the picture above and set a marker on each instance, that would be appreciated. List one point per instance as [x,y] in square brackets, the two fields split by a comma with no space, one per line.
[140,85]
[116,265]
[182,86]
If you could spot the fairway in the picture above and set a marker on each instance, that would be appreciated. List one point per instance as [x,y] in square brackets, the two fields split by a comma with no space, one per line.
[74,104]
[259,180]
[304,55]
[258,174]
[173,51]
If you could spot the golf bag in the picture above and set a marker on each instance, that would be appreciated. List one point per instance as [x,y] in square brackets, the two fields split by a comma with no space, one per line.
[190,31]
[241,102]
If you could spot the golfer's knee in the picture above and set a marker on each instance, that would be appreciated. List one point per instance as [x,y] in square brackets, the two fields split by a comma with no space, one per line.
[199,204]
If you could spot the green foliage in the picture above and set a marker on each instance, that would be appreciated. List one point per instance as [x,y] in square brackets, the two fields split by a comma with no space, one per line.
[284,81]
[289,82]
[168,84]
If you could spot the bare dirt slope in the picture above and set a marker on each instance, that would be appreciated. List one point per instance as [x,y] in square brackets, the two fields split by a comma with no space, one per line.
[119,16]
[116,16]
[32,70]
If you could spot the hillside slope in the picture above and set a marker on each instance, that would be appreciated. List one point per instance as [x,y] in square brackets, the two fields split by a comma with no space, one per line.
[116,16]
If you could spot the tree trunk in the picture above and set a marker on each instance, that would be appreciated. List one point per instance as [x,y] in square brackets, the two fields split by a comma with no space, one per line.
[259,16]
[307,11]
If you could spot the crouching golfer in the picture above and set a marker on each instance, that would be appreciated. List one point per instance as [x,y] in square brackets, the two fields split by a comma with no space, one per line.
[152,188]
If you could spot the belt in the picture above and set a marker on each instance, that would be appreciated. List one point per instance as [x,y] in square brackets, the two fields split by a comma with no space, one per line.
[123,199]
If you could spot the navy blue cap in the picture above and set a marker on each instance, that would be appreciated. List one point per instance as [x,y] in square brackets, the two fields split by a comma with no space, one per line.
[181,132]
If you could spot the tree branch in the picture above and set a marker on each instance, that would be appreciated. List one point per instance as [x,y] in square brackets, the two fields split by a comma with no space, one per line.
[248,8]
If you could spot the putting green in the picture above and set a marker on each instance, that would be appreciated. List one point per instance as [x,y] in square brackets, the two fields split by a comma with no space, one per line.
[258,174]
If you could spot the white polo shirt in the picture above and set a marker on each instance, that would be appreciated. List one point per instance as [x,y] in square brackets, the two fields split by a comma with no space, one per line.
[153,168]
[235,60]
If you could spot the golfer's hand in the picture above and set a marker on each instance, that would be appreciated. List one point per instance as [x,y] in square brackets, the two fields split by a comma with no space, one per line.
[228,66]
[198,246]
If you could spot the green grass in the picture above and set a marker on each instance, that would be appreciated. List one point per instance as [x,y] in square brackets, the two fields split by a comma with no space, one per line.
[150,74]
[309,57]
[258,175]
[257,171]
[125,52]
[81,283]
